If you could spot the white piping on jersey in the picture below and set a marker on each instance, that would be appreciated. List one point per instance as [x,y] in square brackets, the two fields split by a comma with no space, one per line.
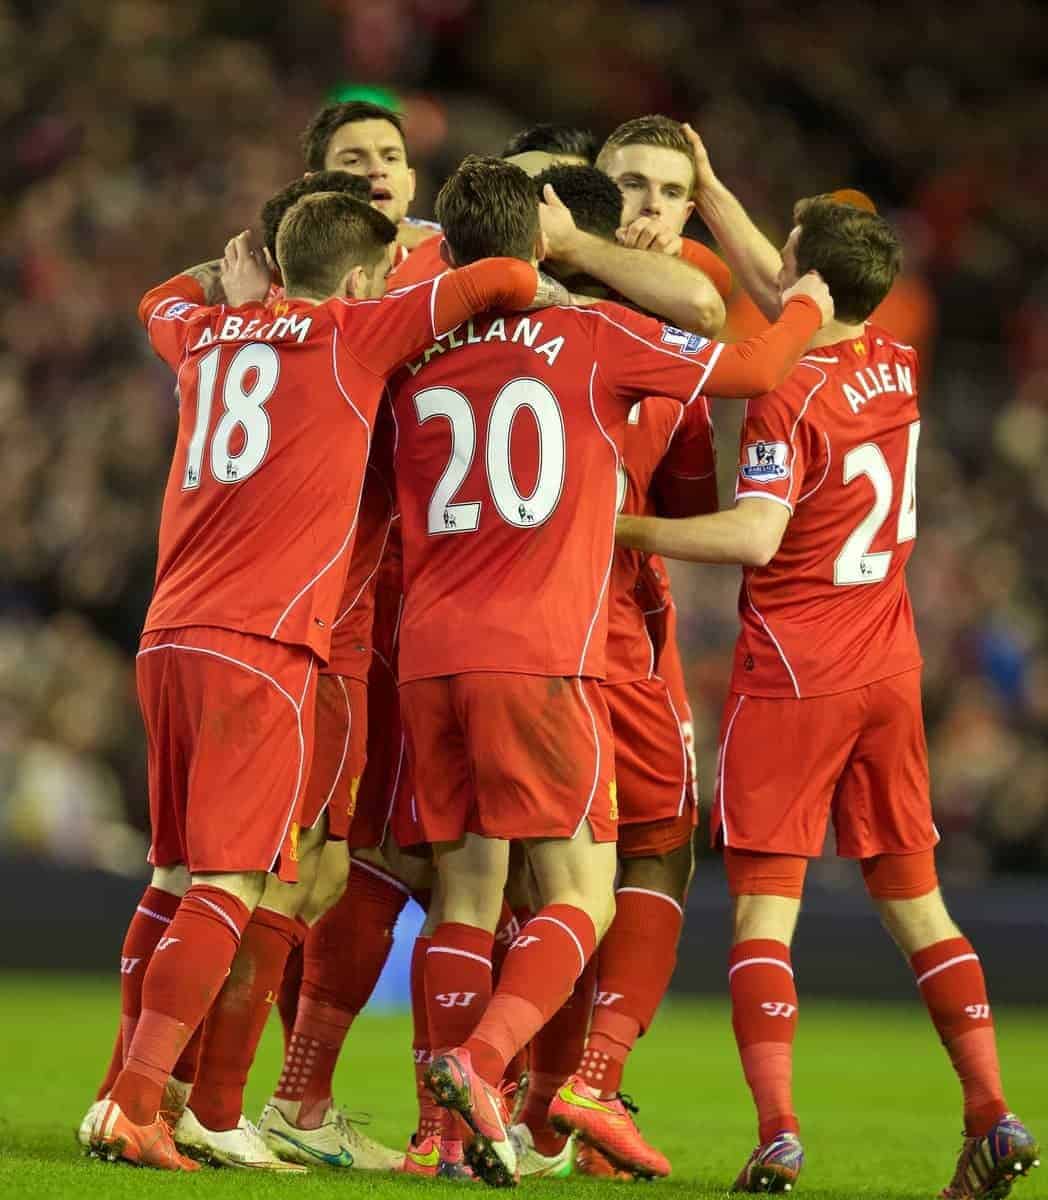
[345,747]
[775,641]
[596,762]
[762,495]
[378,561]
[722,755]
[396,785]
[297,707]
[683,754]
[829,460]
[611,556]
[360,493]
[371,869]
[649,892]
[709,364]
[810,358]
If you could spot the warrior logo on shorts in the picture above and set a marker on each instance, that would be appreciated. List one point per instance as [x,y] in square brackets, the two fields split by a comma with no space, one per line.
[766,461]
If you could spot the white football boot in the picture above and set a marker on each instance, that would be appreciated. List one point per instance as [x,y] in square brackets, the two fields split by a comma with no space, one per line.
[242,1148]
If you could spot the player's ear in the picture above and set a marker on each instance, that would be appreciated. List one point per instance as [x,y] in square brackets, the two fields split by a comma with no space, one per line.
[355,285]
[446,255]
[411,184]
[689,208]
[541,247]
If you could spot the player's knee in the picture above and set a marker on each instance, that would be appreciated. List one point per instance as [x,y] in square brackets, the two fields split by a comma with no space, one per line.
[668,874]
[905,891]
[247,886]
[329,882]
[767,917]
[173,880]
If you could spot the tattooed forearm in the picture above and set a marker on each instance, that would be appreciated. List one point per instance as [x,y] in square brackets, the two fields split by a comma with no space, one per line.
[209,276]
[550,292]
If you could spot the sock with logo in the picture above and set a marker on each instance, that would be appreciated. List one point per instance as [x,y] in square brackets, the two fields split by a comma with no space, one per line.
[153,915]
[185,974]
[950,978]
[457,982]
[290,986]
[555,1052]
[764,1017]
[634,966]
[538,976]
[429,1112]
[238,1016]
[344,955]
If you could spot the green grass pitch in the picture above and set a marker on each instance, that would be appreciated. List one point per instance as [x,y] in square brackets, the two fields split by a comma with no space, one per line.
[878,1103]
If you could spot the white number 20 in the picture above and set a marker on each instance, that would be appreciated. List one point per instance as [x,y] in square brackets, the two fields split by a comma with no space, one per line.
[446,516]
[856,564]
[244,409]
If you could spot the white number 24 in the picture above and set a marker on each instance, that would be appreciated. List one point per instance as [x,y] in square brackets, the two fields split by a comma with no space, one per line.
[856,564]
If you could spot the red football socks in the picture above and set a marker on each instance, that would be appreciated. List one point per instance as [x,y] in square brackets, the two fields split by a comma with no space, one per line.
[457,982]
[154,914]
[951,981]
[764,1017]
[555,1053]
[429,1112]
[290,986]
[238,1016]
[634,967]
[537,978]
[343,958]
[116,1063]
[184,976]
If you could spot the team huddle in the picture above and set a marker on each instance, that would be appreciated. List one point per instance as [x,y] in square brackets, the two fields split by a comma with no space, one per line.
[412,635]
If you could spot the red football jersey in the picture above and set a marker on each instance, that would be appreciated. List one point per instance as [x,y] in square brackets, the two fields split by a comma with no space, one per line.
[506,471]
[276,406]
[422,263]
[666,449]
[837,444]
[351,634]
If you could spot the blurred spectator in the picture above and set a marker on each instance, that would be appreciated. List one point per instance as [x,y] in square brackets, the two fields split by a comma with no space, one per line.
[142,133]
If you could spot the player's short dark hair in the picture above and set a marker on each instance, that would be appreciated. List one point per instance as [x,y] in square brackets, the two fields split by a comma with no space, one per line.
[274,208]
[323,236]
[857,253]
[488,208]
[560,140]
[652,130]
[329,120]
[593,199]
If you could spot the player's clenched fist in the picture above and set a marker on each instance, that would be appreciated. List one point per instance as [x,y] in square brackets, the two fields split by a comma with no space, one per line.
[246,275]
[812,285]
[649,233]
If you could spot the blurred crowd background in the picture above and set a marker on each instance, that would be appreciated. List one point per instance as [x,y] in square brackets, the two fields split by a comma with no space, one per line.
[139,134]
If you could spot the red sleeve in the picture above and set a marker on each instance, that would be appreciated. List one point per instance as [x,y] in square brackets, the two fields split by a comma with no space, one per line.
[761,363]
[422,264]
[709,264]
[166,311]
[387,332]
[774,447]
[685,484]
[638,356]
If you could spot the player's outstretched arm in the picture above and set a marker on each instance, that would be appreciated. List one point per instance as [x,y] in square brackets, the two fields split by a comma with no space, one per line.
[750,255]
[749,534]
[761,363]
[658,283]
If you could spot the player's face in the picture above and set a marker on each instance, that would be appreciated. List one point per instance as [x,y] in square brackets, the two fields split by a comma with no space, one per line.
[375,150]
[788,271]
[534,162]
[655,182]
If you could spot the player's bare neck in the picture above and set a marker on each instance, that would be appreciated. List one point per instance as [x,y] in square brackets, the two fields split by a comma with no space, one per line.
[836,331]
[305,297]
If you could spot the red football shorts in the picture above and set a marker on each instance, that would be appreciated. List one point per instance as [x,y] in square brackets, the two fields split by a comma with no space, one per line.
[229,723]
[786,766]
[386,772]
[657,811]
[339,746]
[508,756]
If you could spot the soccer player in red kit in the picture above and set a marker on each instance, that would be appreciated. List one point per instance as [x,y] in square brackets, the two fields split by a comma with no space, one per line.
[258,521]
[827,665]
[667,466]
[507,553]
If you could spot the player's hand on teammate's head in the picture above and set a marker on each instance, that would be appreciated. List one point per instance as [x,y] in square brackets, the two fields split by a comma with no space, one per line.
[812,285]
[649,233]
[558,225]
[705,176]
[247,273]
